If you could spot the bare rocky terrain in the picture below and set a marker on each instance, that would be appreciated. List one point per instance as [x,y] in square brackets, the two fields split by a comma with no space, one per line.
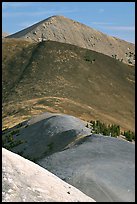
[62,29]
[25,181]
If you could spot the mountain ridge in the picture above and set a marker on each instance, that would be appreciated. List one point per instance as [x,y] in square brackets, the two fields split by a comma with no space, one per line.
[59,77]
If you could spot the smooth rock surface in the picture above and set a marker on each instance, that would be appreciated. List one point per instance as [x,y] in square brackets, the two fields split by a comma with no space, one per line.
[25,181]
[102,167]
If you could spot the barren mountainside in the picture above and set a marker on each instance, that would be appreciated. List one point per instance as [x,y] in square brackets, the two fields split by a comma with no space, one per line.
[62,29]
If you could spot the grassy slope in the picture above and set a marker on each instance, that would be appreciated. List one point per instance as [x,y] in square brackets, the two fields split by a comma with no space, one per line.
[58,77]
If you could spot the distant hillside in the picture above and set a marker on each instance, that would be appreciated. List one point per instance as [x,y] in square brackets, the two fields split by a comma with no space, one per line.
[59,77]
[62,29]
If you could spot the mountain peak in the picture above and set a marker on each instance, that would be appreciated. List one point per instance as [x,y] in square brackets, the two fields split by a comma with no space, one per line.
[54,17]
[62,29]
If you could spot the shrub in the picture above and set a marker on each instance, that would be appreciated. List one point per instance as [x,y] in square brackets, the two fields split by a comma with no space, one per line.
[88,57]
[129,135]
[14,132]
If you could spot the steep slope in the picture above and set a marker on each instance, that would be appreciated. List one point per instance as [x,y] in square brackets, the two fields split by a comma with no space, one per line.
[59,77]
[61,29]
[25,181]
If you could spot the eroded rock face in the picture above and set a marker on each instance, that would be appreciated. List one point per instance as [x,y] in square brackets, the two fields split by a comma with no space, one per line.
[61,29]
[25,181]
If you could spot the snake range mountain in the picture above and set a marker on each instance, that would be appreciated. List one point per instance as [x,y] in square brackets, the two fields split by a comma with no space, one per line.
[57,75]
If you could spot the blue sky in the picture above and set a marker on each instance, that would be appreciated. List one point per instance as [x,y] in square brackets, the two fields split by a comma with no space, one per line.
[112,18]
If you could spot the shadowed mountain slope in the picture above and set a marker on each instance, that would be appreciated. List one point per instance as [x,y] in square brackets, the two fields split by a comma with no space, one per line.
[62,29]
[59,77]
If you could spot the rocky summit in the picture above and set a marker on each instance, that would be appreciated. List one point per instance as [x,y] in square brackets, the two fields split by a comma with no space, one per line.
[62,29]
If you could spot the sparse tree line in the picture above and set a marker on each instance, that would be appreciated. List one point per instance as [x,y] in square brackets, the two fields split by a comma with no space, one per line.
[112,130]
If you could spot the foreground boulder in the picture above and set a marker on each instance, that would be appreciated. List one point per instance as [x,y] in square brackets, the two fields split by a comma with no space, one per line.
[25,181]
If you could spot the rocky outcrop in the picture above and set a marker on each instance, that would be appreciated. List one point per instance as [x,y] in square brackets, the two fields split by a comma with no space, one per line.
[25,181]
[48,133]
[61,29]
